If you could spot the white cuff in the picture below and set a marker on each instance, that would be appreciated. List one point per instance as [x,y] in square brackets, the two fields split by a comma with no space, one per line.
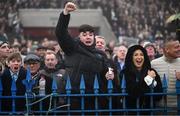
[148,79]
[154,83]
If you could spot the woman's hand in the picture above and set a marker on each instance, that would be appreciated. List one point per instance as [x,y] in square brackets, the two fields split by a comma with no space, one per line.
[150,77]
[152,73]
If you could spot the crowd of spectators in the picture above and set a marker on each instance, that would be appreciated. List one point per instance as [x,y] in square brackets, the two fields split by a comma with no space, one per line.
[139,19]
[142,19]
[10,24]
[132,18]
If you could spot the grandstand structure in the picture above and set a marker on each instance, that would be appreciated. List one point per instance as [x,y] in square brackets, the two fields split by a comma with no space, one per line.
[39,23]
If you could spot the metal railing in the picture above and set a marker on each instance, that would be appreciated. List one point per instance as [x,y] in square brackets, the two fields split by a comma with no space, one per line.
[53,107]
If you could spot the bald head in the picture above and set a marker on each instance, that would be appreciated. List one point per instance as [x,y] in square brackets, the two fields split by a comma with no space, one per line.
[171,48]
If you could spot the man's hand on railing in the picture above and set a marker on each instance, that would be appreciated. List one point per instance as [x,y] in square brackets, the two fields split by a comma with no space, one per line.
[177,74]
[110,74]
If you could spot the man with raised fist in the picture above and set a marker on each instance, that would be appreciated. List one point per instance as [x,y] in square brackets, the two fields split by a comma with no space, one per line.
[81,57]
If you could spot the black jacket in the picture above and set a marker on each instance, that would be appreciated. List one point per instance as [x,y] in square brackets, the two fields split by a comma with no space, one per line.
[80,59]
[57,74]
[6,85]
[135,84]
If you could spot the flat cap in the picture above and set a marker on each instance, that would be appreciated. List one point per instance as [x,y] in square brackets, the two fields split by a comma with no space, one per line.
[31,57]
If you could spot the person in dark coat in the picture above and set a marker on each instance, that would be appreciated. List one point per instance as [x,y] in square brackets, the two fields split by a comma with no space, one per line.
[34,63]
[50,72]
[15,72]
[81,57]
[140,78]
[101,45]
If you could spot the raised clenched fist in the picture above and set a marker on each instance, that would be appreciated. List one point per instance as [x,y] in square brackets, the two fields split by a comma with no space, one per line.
[69,7]
[151,73]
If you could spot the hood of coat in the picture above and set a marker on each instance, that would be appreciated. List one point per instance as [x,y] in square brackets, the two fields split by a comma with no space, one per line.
[129,65]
